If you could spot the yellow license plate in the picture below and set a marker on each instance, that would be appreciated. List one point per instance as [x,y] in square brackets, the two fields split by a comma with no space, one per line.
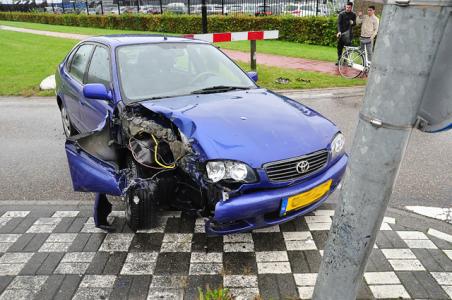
[306,198]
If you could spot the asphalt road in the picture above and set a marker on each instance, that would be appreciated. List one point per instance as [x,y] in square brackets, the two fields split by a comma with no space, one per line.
[33,162]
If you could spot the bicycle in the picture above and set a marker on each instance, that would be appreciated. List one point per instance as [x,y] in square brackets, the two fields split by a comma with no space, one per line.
[354,62]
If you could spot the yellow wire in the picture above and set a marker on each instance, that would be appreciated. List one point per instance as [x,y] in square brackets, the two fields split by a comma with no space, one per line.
[155,155]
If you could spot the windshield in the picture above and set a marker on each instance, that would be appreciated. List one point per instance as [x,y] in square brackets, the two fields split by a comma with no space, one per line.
[160,70]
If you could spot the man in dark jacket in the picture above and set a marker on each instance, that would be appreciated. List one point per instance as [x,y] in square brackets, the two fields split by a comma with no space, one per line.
[345,21]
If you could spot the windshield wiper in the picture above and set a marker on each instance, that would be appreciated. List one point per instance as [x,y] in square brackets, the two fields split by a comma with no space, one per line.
[219,89]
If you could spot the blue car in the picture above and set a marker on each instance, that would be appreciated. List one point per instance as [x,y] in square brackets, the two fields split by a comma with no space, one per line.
[173,123]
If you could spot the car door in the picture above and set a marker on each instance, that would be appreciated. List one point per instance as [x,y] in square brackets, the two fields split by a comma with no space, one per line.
[93,161]
[94,111]
[92,158]
[73,84]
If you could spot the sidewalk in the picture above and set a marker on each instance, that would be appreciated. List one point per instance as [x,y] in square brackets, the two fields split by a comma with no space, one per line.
[263,59]
[54,252]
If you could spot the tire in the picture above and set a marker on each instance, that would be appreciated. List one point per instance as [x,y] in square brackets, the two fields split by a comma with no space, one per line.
[68,128]
[140,203]
[351,64]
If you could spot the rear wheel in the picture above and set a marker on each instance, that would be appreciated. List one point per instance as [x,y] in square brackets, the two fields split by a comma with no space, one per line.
[67,125]
[141,208]
[351,64]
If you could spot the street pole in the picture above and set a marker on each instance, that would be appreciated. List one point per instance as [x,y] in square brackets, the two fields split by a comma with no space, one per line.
[253,55]
[204,16]
[409,37]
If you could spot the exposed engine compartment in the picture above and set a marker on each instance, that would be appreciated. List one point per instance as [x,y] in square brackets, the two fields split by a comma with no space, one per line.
[161,164]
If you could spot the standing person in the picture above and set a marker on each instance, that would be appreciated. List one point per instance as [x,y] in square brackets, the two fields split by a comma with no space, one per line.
[369,30]
[345,21]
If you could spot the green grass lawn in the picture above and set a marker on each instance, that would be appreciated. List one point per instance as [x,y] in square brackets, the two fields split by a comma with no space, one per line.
[28,58]
[270,46]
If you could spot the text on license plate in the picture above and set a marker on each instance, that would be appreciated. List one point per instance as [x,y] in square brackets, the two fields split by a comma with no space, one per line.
[304,199]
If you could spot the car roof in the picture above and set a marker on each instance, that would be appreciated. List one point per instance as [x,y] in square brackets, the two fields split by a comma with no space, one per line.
[116,40]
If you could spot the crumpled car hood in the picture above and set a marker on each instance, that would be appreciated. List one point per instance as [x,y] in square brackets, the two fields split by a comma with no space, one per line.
[254,126]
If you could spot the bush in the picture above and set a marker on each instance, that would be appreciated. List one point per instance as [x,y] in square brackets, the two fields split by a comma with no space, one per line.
[310,30]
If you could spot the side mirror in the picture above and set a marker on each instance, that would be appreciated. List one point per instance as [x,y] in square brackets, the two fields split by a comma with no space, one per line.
[253,75]
[97,91]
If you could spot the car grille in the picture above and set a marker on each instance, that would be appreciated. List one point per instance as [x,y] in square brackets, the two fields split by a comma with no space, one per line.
[286,170]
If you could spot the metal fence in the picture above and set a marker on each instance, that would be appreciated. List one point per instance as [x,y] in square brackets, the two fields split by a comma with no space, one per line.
[299,8]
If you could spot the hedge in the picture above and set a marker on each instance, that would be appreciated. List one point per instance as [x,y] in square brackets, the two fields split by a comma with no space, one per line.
[310,30]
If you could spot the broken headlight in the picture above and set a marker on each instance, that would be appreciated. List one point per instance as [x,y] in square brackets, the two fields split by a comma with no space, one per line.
[237,171]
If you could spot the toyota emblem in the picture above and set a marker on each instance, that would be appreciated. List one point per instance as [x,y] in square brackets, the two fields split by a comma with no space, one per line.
[302,166]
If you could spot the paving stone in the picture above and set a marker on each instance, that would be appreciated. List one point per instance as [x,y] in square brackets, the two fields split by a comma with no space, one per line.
[203,282]
[381,278]
[16,214]
[35,262]
[4,282]
[433,260]
[92,293]
[23,225]
[140,287]
[140,263]
[98,281]
[261,241]
[98,263]
[406,265]
[116,242]
[79,242]
[398,254]
[424,244]
[176,242]
[268,286]
[304,261]
[239,263]
[64,225]
[16,295]
[299,241]
[201,242]
[44,225]
[21,243]
[389,291]
[50,288]
[378,262]
[30,283]
[65,214]
[443,278]
[10,224]
[77,225]
[421,285]
[50,263]
[94,242]
[58,242]
[68,287]
[146,242]
[286,286]
[114,263]
[36,242]
[122,287]
[173,263]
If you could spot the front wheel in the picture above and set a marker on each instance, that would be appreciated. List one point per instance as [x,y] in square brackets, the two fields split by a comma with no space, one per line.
[351,64]
[140,202]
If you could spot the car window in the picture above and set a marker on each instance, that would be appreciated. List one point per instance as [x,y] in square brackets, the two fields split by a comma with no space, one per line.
[175,69]
[99,68]
[80,61]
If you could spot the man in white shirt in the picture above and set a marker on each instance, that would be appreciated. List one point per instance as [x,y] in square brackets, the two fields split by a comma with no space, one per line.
[369,30]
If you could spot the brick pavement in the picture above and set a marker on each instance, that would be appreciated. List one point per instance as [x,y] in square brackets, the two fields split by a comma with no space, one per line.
[57,253]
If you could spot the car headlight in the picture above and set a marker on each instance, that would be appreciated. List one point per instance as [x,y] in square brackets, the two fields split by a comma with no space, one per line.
[237,171]
[337,145]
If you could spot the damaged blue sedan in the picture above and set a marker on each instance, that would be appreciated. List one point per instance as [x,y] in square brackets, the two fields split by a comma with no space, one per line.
[173,123]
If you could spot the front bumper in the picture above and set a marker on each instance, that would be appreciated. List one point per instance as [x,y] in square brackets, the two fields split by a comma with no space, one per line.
[261,209]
